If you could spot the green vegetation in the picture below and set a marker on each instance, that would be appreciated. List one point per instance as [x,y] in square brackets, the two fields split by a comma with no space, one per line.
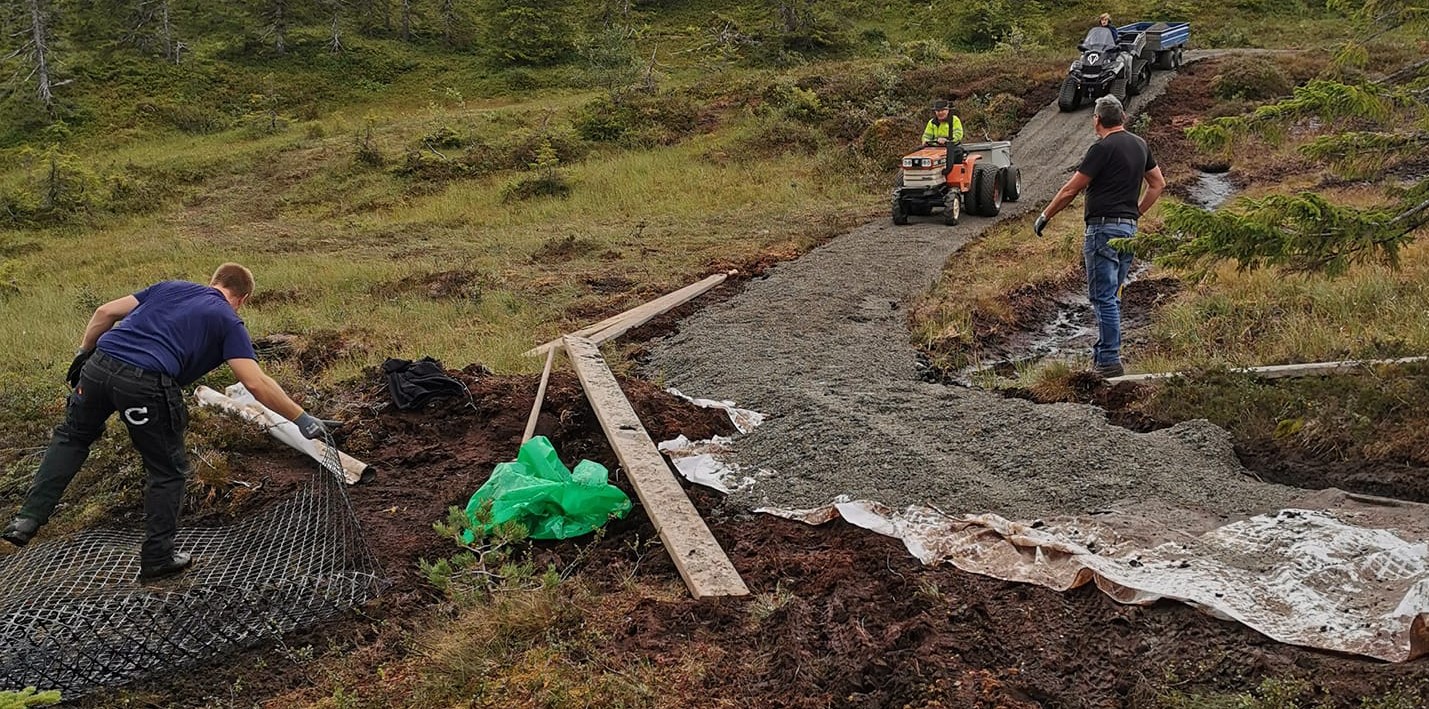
[488,561]
[1305,231]
[1380,125]
[985,294]
[1279,693]
[28,697]
[457,178]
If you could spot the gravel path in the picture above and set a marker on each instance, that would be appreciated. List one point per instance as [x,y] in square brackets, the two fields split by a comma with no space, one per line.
[822,346]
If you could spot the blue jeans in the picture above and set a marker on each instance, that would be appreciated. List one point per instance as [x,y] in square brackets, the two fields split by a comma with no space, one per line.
[1107,269]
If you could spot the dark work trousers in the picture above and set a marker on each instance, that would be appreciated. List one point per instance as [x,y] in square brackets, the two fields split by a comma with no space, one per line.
[151,405]
[956,154]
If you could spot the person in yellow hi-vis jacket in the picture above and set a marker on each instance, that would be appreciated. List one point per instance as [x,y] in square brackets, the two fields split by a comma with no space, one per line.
[945,129]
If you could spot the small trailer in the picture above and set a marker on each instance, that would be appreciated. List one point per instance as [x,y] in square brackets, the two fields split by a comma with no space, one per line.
[1164,41]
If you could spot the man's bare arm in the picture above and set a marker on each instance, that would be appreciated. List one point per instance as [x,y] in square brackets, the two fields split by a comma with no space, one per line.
[104,318]
[264,388]
[1155,183]
[1069,192]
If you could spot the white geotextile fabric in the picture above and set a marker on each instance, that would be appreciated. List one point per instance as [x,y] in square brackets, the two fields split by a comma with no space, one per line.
[1298,576]
[1346,573]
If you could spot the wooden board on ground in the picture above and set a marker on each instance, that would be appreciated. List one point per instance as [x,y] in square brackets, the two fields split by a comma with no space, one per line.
[540,397]
[699,558]
[1286,370]
[617,325]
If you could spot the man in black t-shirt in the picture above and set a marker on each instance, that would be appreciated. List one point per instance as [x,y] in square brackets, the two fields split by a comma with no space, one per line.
[1111,173]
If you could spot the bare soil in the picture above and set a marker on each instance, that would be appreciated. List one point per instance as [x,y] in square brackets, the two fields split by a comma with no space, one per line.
[840,617]
[455,284]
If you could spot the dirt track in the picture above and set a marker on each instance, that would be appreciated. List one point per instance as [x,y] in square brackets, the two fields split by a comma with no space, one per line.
[821,345]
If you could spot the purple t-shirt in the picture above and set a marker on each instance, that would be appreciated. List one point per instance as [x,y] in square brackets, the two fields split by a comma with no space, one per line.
[181,329]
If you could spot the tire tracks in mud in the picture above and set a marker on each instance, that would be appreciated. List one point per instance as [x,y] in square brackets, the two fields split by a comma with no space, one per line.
[821,345]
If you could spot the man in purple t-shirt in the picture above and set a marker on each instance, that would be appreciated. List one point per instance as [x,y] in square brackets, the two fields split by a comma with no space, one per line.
[1111,173]
[136,355]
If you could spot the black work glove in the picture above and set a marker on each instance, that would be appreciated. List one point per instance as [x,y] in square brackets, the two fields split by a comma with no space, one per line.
[315,428]
[72,377]
[1040,224]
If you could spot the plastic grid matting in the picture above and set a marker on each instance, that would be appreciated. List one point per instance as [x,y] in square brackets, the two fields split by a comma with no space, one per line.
[74,617]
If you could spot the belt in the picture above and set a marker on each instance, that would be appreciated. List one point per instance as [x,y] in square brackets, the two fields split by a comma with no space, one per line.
[1110,220]
[118,366]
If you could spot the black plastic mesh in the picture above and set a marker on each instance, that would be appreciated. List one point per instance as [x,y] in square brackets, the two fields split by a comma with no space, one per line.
[74,617]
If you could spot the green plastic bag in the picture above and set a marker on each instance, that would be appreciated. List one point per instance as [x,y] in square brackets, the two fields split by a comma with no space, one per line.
[538,492]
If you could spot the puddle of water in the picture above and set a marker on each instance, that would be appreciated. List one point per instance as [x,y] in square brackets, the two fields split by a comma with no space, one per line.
[1071,332]
[1068,335]
[1212,189]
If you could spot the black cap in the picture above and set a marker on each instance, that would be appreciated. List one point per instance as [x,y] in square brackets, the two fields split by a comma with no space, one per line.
[939,105]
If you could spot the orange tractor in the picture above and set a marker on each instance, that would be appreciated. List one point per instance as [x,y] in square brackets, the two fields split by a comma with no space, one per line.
[977,185]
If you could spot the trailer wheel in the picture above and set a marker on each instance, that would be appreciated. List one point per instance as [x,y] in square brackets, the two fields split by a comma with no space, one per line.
[1165,59]
[1012,191]
[987,186]
[1069,98]
[1177,61]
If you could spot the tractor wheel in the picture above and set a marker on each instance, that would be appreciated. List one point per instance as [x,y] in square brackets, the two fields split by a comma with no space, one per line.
[1012,190]
[1118,89]
[900,215]
[987,186]
[953,208]
[1068,99]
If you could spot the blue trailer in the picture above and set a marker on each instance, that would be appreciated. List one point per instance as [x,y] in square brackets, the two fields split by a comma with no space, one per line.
[1119,63]
[1164,41]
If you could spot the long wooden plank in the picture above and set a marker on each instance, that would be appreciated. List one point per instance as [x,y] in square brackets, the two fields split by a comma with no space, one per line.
[540,397]
[1286,370]
[644,313]
[699,558]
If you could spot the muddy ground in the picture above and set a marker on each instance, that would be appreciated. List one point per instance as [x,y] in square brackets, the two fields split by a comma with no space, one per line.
[840,617]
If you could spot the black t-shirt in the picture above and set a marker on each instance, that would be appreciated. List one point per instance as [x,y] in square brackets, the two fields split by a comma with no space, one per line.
[1117,164]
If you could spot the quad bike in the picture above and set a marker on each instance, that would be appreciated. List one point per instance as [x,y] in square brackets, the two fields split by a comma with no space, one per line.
[978,184]
[1119,62]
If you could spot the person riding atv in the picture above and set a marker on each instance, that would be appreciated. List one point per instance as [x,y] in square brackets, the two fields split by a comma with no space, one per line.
[944,128]
[1105,67]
